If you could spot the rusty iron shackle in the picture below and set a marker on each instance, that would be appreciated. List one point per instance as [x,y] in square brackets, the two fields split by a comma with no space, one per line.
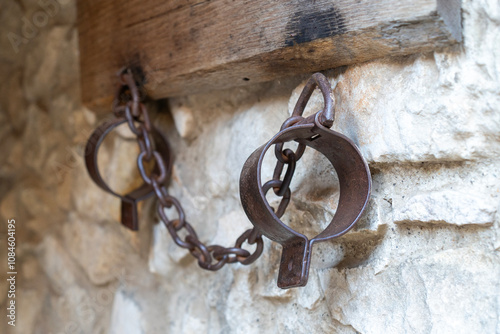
[129,108]
[313,131]
[129,202]
[352,171]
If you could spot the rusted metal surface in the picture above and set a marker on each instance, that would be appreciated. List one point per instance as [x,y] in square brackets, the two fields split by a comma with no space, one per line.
[128,108]
[313,131]
[353,174]
[130,200]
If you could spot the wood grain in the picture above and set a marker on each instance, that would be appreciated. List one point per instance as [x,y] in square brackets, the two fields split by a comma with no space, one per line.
[187,46]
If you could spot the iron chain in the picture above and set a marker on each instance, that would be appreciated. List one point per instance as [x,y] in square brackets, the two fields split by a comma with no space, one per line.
[128,104]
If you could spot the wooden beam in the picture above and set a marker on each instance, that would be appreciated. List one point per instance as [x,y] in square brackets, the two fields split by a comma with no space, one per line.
[191,46]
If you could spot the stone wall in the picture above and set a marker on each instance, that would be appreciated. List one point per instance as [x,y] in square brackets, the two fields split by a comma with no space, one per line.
[424,258]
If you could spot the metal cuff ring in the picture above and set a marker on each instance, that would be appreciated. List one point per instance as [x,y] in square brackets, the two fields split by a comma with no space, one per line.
[129,201]
[355,184]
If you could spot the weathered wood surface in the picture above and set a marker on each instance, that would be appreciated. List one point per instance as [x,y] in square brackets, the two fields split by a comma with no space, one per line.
[191,46]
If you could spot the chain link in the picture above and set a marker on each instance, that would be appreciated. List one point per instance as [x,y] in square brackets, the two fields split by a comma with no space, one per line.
[127,103]
[284,157]
[281,154]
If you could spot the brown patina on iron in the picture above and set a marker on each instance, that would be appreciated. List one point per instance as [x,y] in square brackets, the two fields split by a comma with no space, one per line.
[129,108]
[128,201]
[353,174]
[313,131]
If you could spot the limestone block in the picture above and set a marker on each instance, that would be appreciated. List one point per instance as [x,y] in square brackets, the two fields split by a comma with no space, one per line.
[10,22]
[9,207]
[430,294]
[162,257]
[13,100]
[37,203]
[15,158]
[84,124]
[30,305]
[77,309]
[57,264]
[35,144]
[74,304]
[326,254]
[230,227]
[378,214]
[64,110]
[100,249]
[184,120]
[5,129]
[312,295]
[55,70]
[126,317]
[63,194]
[427,119]
[292,315]
[446,206]
[267,274]
[455,194]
